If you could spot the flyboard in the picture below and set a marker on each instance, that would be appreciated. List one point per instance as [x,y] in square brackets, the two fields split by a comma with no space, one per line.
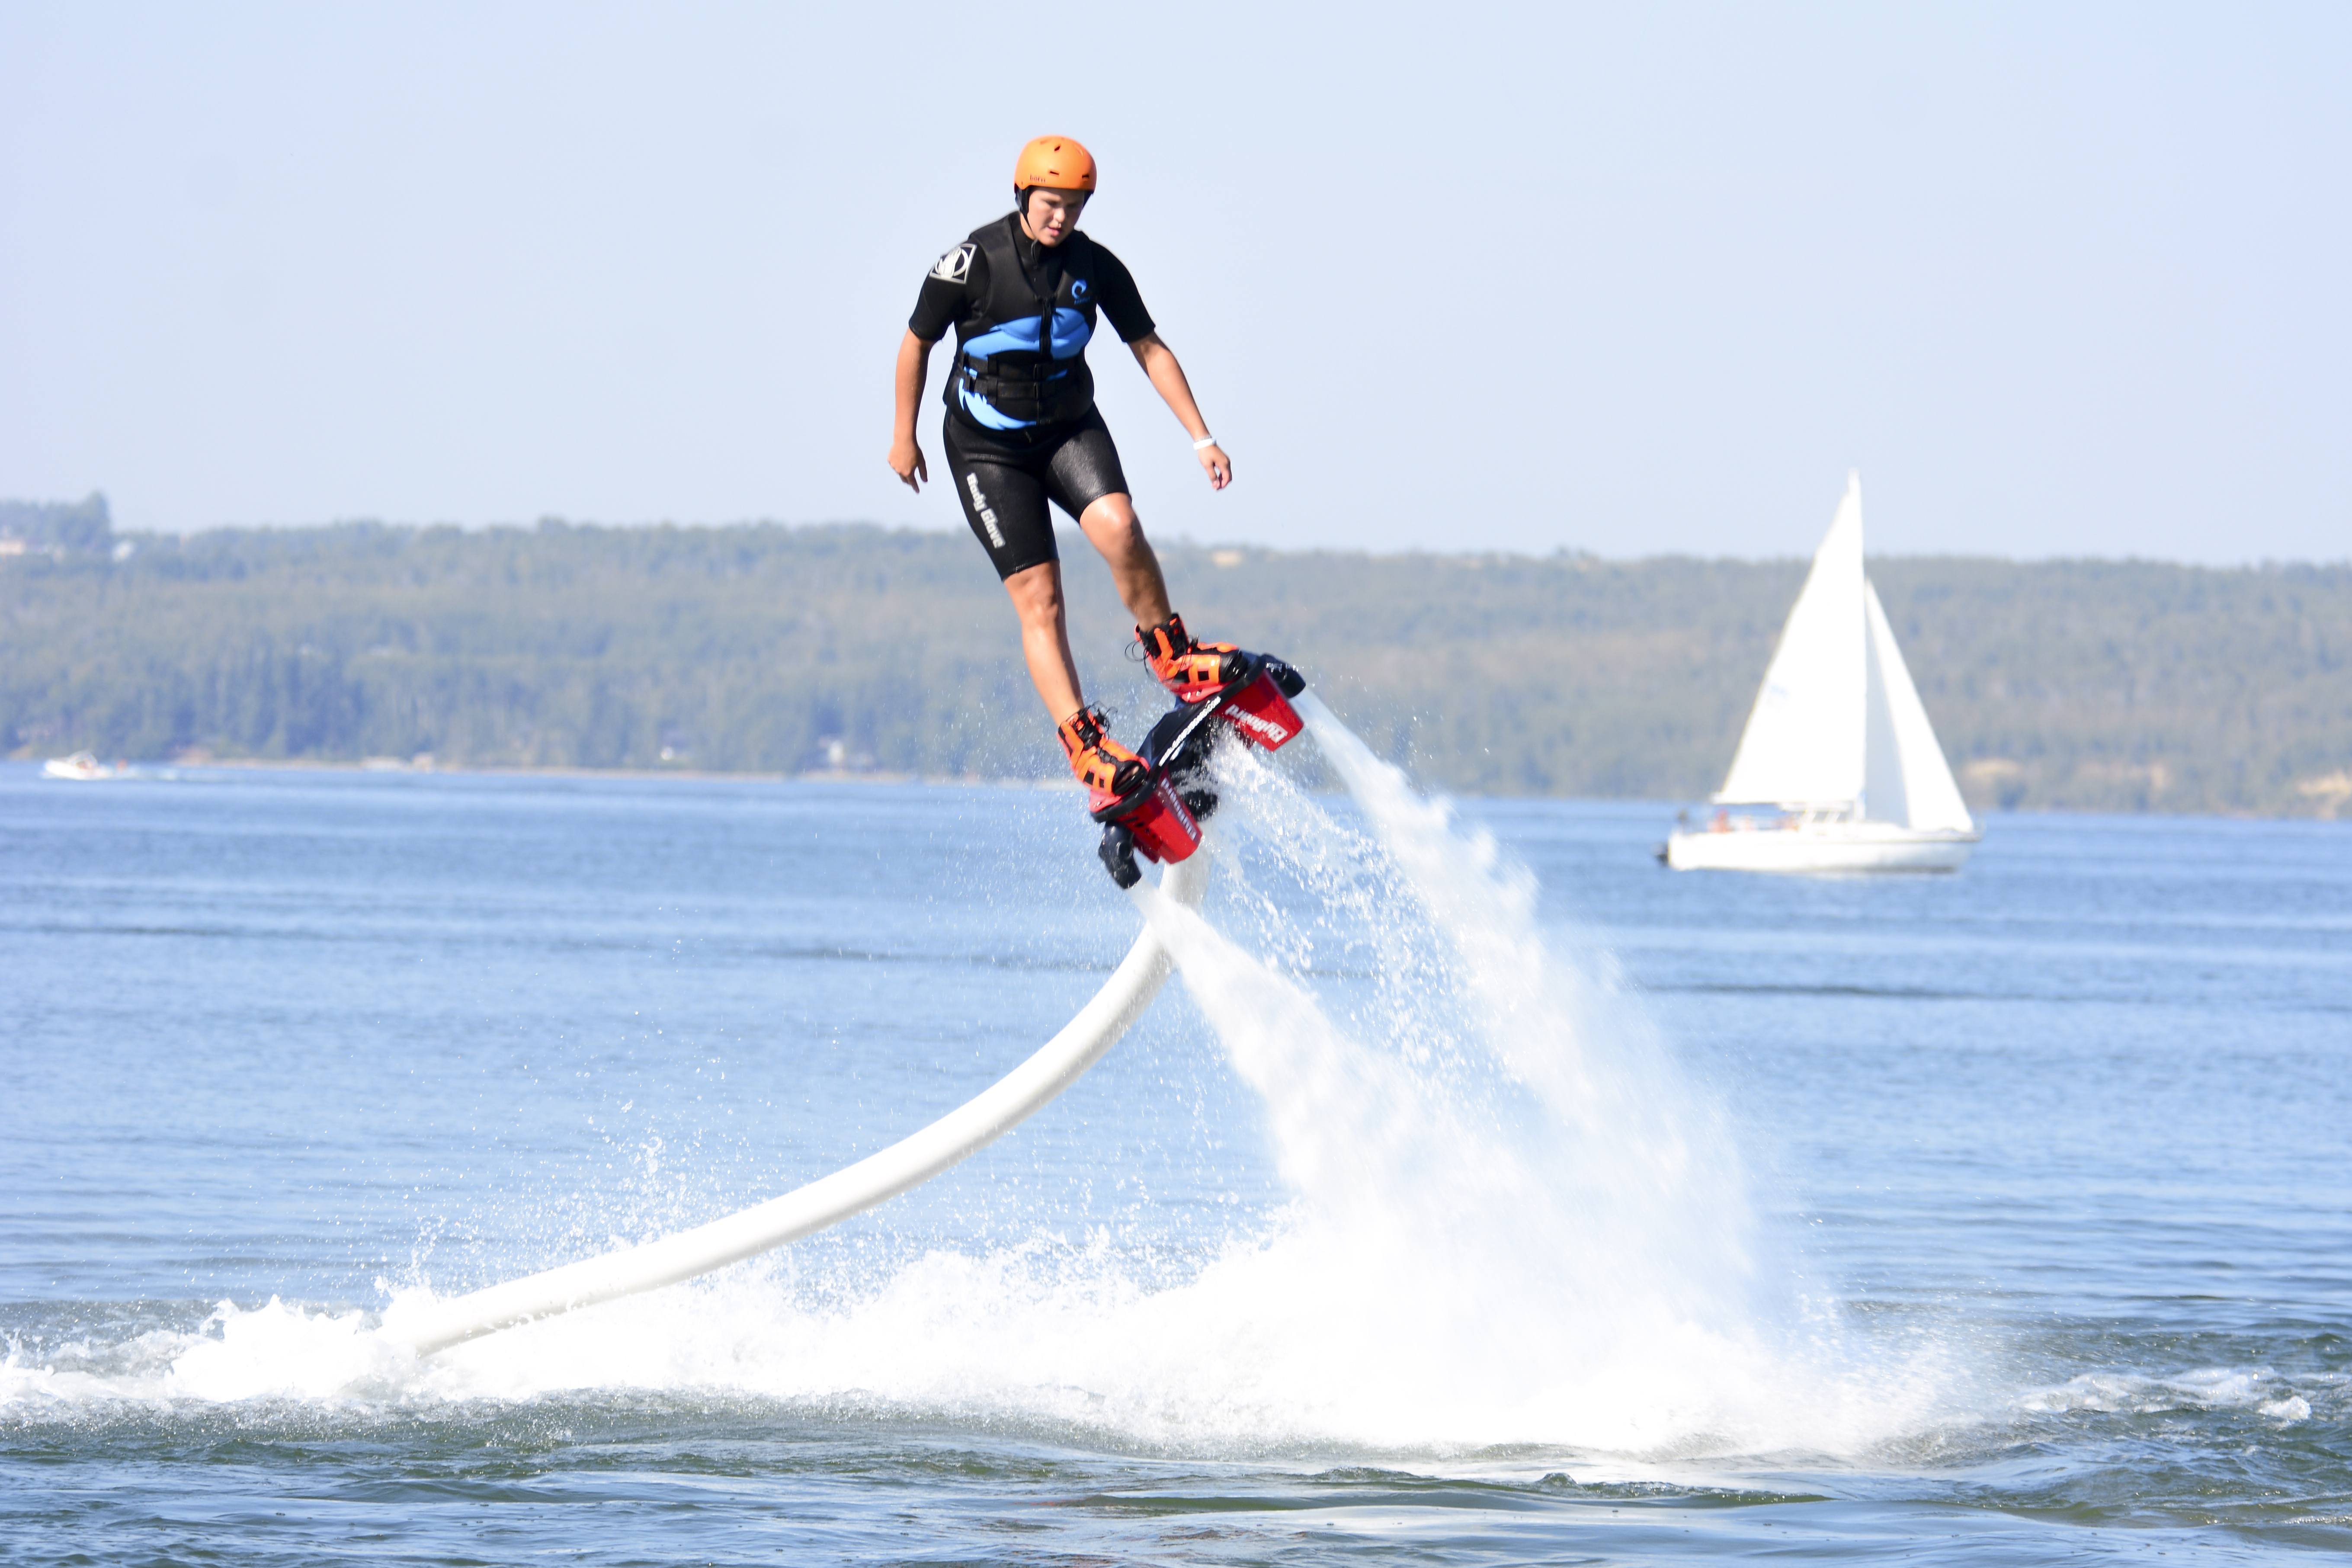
[1160,823]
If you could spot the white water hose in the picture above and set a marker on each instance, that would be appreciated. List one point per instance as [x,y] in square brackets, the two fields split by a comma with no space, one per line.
[432,1326]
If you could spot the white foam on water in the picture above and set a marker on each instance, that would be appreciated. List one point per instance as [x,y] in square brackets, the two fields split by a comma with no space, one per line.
[271,1351]
[1511,1219]
[286,1353]
[1507,1197]
[2200,1389]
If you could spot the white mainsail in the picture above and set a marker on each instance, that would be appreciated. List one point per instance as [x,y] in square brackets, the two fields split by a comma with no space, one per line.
[1906,778]
[1838,723]
[1804,744]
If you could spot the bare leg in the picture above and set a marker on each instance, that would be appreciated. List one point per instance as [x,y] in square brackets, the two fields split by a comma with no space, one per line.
[1037,594]
[1111,525]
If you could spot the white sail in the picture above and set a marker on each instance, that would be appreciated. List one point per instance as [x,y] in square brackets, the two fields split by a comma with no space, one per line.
[1906,779]
[1839,739]
[1804,741]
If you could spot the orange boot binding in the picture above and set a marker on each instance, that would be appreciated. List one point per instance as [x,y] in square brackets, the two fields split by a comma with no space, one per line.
[1193,671]
[1109,771]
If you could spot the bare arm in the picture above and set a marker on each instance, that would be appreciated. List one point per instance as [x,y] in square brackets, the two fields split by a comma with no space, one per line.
[913,369]
[1158,363]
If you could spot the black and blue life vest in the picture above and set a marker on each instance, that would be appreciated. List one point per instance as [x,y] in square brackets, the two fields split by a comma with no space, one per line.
[1012,373]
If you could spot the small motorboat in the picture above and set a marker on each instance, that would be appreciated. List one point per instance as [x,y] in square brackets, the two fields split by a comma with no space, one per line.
[82,766]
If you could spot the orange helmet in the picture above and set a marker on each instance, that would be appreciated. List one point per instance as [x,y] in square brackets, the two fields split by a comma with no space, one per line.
[1057,163]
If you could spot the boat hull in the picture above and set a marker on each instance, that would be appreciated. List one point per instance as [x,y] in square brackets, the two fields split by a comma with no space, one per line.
[82,767]
[1833,847]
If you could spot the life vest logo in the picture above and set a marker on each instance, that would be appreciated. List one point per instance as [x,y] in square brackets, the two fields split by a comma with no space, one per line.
[1078,289]
[955,266]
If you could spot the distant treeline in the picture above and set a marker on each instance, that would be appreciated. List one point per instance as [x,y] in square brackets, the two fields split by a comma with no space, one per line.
[2120,685]
[57,528]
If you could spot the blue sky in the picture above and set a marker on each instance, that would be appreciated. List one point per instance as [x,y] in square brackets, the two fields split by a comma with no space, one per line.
[2058,279]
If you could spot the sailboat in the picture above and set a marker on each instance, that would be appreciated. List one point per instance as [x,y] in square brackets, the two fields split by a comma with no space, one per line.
[1837,742]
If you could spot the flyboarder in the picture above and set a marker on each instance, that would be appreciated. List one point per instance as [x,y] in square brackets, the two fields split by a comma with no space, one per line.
[1021,430]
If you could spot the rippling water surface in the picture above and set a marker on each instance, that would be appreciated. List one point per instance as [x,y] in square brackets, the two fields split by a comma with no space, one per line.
[1454,1209]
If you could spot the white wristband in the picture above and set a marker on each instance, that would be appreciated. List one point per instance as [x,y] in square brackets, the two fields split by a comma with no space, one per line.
[1204,443]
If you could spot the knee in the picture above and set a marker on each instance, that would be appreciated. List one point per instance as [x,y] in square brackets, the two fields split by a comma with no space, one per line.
[1117,531]
[1036,595]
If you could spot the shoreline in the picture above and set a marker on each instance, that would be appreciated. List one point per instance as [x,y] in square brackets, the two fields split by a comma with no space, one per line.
[135,771]
[155,770]
[523,770]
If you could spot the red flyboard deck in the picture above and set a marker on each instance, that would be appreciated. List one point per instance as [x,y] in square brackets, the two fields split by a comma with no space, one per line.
[1163,829]
[1262,714]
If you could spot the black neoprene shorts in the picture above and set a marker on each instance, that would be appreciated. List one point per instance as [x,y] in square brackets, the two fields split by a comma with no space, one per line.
[1004,481]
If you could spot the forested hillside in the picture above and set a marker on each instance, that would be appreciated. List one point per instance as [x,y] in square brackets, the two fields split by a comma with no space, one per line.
[2070,684]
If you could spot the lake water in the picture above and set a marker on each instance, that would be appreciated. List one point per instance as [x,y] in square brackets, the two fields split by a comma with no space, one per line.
[1436,1215]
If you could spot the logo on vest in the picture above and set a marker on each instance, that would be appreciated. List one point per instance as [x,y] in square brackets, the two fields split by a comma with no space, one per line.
[1078,289]
[955,265]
